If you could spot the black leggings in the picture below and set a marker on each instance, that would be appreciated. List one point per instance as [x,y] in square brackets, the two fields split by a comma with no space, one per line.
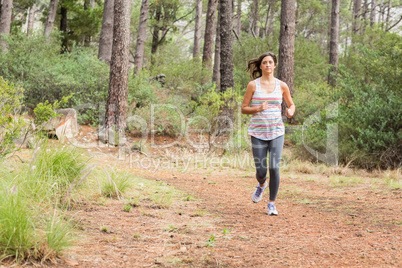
[260,151]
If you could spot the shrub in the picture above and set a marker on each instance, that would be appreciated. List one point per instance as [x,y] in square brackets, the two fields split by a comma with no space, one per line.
[10,122]
[368,116]
[45,74]
[182,74]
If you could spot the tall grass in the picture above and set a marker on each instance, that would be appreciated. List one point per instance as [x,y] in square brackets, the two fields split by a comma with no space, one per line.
[32,222]
[115,184]
[16,228]
[53,170]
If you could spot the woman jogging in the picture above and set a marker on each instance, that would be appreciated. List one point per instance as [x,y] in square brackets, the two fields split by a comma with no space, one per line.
[266,127]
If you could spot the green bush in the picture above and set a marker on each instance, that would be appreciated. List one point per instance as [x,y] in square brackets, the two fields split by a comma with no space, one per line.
[369,99]
[45,74]
[311,97]
[140,91]
[11,124]
[182,74]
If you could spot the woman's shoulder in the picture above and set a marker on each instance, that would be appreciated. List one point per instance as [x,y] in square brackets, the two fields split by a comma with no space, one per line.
[282,84]
[252,84]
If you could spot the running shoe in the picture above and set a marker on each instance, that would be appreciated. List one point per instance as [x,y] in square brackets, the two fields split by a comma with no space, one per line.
[272,209]
[257,195]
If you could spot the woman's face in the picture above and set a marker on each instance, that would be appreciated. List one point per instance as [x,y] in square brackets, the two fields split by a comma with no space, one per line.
[267,65]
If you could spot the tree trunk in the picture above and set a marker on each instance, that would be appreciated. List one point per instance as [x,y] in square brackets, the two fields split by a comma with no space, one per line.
[31,19]
[88,4]
[216,75]
[253,27]
[116,110]
[226,66]
[142,37]
[388,14]
[356,16]
[287,45]
[264,34]
[270,30]
[209,34]
[238,18]
[333,47]
[63,27]
[106,34]
[372,13]
[155,33]
[5,20]
[51,16]
[364,17]
[380,12]
[197,31]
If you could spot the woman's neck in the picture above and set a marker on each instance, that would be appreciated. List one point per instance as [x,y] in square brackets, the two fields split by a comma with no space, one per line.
[267,77]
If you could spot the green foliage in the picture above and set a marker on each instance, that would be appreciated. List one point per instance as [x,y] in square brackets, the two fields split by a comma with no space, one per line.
[45,111]
[211,241]
[140,91]
[311,64]
[369,97]
[11,124]
[83,23]
[45,74]
[311,97]
[210,104]
[182,74]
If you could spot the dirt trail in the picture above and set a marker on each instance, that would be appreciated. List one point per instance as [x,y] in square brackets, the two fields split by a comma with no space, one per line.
[318,225]
[323,221]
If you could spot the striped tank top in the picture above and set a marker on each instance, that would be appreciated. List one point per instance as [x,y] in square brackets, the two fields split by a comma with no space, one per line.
[268,124]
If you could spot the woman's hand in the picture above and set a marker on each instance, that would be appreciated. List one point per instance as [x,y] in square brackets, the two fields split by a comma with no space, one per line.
[263,106]
[290,111]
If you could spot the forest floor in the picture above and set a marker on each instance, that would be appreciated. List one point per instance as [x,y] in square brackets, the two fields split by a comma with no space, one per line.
[328,217]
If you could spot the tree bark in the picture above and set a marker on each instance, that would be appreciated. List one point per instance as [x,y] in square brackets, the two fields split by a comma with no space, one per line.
[226,66]
[63,27]
[270,30]
[238,18]
[287,45]
[31,19]
[155,33]
[253,27]
[5,20]
[356,16]
[116,110]
[216,75]
[388,14]
[334,42]
[381,12]
[88,4]
[372,13]
[106,34]
[197,31]
[51,16]
[142,37]
[210,29]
